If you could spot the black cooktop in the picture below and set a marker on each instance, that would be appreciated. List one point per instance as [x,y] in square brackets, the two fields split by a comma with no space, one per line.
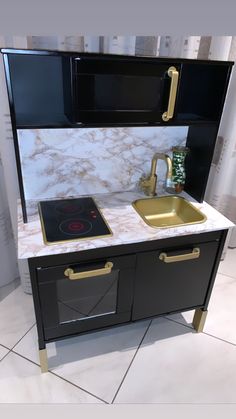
[71,219]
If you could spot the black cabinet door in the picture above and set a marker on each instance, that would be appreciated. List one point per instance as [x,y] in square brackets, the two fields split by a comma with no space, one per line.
[93,295]
[121,90]
[37,90]
[165,286]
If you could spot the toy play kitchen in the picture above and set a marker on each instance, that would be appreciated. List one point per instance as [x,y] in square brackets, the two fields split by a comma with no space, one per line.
[105,243]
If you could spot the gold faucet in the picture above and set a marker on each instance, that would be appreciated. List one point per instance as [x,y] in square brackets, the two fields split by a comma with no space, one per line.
[148,184]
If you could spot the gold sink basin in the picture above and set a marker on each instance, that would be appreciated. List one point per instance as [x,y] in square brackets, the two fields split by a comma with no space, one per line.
[168,211]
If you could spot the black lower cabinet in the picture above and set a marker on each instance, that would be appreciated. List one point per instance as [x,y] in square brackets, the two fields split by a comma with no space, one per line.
[83,291]
[82,296]
[173,279]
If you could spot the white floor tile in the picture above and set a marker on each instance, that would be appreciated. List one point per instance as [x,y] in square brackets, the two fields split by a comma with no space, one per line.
[22,382]
[28,346]
[8,288]
[16,316]
[228,265]
[3,352]
[221,318]
[177,365]
[184,318]
[96,361]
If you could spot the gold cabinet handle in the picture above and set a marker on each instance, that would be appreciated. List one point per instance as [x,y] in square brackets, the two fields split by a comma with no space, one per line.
[174,75]
[69,272]
[179,258]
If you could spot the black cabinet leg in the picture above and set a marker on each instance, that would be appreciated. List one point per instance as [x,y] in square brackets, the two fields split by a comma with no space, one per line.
[199,319]
[43,359]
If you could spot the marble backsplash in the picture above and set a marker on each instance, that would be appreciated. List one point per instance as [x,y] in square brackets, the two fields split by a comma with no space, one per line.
[71,162]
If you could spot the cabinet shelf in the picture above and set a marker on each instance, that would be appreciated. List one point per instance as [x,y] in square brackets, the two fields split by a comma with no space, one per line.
[27,120]
[61,121]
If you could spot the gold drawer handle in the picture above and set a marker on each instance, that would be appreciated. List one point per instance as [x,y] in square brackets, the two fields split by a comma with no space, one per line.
[174,75]
[87,274]
[178,258]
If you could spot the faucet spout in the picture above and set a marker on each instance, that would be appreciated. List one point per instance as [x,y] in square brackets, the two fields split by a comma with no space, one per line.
[148,184]
[166,158]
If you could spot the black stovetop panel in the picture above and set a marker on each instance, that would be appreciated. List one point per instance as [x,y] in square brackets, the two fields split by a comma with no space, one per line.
[71,219]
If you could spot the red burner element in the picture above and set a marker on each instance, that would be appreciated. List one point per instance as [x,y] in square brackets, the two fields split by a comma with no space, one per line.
[69,208]
[75,226]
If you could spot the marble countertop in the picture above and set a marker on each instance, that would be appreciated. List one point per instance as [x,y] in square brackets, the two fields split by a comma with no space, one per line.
[126,225]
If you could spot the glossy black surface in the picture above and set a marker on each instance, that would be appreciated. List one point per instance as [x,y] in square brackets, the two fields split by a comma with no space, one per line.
[156,290]
[69,89]
[15,137]
[104,90]
[70,219]
[48,89]
[172,286]
[69,307]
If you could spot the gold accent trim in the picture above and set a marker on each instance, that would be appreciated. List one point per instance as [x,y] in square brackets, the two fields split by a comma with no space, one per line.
[174,75]
[154,213]
[87,274]
[199,319]
[179,258]
[73,240]
[148,184]
[43,359]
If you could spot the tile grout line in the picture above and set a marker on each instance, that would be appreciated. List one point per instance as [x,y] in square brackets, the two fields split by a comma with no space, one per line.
[5,354]
[23,336]
[5,347]
[131,362]
[56,375]
[222,340]
[16,353]
[86,391]
[24,357]
[229,276]
[11,348]
[80,388]
[205,333]
[175,321]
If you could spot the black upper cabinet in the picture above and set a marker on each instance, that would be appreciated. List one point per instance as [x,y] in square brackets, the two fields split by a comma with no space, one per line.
[202,91]
[143,91]
[55,89]
[62,89]
[36,85]
[104,90]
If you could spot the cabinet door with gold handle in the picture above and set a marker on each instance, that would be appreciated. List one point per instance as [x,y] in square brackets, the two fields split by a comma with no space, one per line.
[69,272]
[179,258]
[83,295]
[174,278]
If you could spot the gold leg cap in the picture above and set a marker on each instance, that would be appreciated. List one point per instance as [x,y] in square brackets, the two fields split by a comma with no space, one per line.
[199,319]
[43,359]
